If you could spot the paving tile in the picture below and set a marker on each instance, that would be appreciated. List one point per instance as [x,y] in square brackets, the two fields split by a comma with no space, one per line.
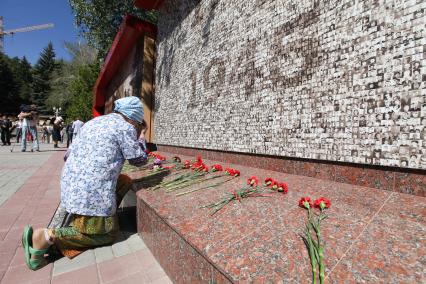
[139,277]
[135,243]
[118,268]
[10,245]
[5,259]
[162,280]
[120,249]
[65,264]
[18,258]
[87,275]
[145,258]
[155,272]
[43,281]
[3,234]
[7,220]
[103,254]
[22,274]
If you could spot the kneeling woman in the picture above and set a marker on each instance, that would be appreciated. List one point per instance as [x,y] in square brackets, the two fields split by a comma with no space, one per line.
[91,184]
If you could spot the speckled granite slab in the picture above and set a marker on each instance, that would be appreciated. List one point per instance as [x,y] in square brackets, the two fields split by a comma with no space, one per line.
[372,235]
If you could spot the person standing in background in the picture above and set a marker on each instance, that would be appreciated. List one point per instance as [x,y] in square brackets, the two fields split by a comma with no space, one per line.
[56,134]
[18,126]
[6,127]
[76,127]
[69,131]
[62,133]
[29,118]
[44,134]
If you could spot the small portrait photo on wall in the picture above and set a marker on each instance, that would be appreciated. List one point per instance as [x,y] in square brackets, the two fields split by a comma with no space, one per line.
[416,102]
[405,104]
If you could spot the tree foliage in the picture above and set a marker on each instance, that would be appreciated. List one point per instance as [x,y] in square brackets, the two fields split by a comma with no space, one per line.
[8,85]
[50,83]
[15,83]
[99,20]
[62,78]
[25,77]
[43,71]
[81,91]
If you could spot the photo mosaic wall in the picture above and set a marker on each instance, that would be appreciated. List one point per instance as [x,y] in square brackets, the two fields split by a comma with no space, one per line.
[332,80]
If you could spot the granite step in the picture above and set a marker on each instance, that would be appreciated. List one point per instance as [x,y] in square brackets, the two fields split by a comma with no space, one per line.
[371,235]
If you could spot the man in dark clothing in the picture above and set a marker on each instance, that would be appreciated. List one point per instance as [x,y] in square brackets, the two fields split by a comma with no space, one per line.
[70,132]
[6,127]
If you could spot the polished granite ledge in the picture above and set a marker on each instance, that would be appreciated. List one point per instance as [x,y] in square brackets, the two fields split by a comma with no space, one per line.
[372,236]
[393,179]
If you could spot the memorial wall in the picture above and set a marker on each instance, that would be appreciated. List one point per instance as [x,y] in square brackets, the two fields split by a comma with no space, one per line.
[328,80]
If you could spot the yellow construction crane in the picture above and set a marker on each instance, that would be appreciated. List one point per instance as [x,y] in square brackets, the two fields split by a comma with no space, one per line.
[20,30]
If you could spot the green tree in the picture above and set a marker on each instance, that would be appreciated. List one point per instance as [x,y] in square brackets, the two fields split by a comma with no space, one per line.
[25,75]
[9,86]
[81,90]
[59,93]
[99,20]
[43,71]
[63,77]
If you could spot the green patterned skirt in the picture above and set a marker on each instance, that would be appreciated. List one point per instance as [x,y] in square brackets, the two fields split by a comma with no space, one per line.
[80,233]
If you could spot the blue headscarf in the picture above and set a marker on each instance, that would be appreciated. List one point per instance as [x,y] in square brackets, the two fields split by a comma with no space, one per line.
[131,107]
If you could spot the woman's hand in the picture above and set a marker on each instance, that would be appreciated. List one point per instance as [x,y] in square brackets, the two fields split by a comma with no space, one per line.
[143,128]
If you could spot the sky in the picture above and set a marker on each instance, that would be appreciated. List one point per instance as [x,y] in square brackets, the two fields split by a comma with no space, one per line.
[22,13]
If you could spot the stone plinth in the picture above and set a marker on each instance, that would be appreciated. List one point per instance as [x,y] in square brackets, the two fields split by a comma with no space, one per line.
[371,235]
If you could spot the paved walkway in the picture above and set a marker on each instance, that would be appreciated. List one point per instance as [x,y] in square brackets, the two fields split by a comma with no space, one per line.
[29,191]
[16,167]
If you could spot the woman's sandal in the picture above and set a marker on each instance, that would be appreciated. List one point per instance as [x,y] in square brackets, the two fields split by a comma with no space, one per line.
[38,262]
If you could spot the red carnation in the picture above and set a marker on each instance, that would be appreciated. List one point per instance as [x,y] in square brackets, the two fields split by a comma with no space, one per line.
[217,168]
[187,164]
[194,166]
[322,203]
[282,187]
[199,167]
[305,202]
[232,172]
[199,159]
[274,185]
[268,181]
[253,181]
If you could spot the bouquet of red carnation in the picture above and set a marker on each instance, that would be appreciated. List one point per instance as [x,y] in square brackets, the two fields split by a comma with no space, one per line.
[274,185]
[312,235]
[249,191]
[158,156]
[232,172]
[217,168]
[253,181]
[200,169]
[214,168]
